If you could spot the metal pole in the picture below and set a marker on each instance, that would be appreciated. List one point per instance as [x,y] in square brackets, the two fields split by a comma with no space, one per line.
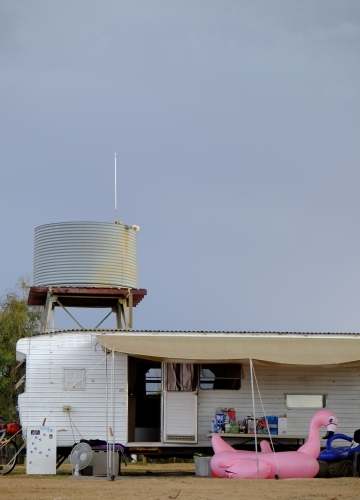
[253,406]
[115,192]
[107,415]
[102,321]
[53,320]
[113,396]
[71,316]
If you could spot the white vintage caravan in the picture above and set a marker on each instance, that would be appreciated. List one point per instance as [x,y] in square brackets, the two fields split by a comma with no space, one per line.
[157,392]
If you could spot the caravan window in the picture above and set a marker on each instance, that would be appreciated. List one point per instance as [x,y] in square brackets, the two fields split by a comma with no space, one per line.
[74,379]
[312,401]
[221,376]
[153,381]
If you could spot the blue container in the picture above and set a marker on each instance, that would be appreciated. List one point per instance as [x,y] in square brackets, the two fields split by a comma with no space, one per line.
[272,421]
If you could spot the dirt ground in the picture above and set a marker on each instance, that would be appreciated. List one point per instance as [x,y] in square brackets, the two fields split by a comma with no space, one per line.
[145,482]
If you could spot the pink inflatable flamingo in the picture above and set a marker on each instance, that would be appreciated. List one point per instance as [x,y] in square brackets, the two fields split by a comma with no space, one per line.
[302,463]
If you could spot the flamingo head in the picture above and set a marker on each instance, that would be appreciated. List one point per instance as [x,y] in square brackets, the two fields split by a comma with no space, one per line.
[331,427]
[325,418]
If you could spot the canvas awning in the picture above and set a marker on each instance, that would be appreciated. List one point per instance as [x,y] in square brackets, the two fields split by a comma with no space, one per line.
[295,349]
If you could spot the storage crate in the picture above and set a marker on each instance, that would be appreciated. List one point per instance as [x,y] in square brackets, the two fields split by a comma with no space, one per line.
[97,466]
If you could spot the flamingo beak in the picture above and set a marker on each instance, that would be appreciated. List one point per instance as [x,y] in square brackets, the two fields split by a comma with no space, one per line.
[331,428]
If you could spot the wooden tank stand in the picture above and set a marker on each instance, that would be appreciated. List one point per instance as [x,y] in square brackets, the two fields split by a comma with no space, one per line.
[120,301]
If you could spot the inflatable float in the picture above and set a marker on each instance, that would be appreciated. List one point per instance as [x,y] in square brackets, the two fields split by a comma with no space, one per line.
[341,452]
[241,464]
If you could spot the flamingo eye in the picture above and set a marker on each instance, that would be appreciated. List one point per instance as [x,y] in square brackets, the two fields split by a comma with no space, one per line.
[331,420]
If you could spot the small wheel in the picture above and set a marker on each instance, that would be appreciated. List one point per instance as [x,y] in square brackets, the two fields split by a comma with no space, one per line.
[8,457]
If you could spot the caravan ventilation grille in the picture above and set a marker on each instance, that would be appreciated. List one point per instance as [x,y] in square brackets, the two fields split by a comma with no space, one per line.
[178,437]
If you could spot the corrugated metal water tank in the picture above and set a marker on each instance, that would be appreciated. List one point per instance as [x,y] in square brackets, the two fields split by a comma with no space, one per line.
[85,254]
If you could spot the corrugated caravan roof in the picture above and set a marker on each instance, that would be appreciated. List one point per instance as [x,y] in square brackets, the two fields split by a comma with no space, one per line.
[218,332]
[293,349]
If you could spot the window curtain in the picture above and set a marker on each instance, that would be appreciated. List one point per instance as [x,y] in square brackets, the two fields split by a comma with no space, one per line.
[180,377]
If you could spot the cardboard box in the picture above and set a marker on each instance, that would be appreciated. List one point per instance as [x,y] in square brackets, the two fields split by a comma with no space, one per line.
[232,428]
[282,425]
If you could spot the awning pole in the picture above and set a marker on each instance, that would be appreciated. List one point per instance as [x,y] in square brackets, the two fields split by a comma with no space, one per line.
[253,405]
[113,427]
[107,415]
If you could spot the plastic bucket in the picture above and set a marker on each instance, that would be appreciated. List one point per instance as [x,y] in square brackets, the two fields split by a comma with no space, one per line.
[202,466]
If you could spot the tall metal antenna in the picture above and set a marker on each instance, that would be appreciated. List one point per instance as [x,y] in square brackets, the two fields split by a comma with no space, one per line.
[115,192]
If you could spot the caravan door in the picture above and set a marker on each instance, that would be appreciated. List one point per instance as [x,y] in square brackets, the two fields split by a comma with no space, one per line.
[180,403]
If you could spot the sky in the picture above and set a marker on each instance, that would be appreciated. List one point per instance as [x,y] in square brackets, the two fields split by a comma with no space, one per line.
[236,127]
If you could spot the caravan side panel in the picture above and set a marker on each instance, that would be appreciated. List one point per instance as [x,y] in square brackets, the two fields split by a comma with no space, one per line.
[340,384]
[52,361]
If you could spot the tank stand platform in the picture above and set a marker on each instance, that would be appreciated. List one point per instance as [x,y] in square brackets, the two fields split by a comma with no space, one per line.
[120,300]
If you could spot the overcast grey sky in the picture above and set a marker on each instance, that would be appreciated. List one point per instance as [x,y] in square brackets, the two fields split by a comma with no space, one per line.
[236,125]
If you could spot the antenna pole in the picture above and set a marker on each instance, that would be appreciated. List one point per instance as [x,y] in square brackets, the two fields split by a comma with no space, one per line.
[115,193]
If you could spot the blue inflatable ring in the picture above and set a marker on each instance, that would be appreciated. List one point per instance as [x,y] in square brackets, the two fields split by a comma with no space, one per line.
[338,453]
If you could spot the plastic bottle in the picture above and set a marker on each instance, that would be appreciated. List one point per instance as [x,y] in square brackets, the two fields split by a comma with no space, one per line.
[213,426]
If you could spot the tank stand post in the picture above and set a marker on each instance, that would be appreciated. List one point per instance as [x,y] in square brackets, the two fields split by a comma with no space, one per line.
[124,312]
[46,314]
